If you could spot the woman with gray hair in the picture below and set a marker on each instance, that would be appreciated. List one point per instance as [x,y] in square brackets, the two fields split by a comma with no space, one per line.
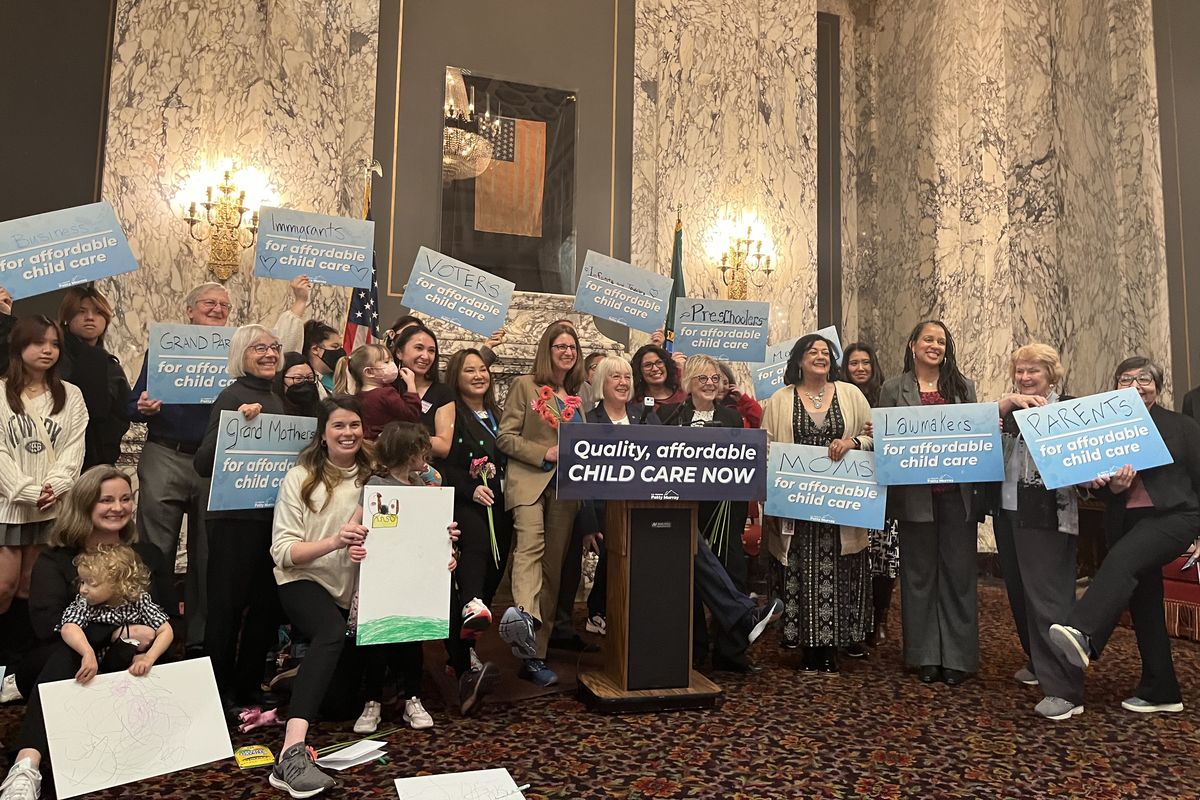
[240,577]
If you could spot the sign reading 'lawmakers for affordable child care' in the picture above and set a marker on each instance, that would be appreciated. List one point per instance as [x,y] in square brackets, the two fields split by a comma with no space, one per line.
[956,443]
[187,363]
[734,330]
[1076,441]
[803,482]
[613,290]
[453,290]
[253,456]
[655,462]
[334,250]
[768,376]
[58,249]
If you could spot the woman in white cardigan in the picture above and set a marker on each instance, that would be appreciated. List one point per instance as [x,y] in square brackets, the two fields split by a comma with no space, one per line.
[821,569]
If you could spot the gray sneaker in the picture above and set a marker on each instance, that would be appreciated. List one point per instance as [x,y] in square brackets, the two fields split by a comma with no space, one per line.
[1025,675]
[1057,708]
[516,629]
[1073,644]
[1146,707]
[296,772]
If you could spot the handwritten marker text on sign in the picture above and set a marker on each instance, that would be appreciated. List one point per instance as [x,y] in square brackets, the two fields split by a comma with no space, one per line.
[613,290]
[333,250]
[453,290]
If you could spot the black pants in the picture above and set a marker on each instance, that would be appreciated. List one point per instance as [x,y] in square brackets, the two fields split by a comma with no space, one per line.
[729,607]
[732,563]
[405,660]
[1131,576]
[477,574]
[313,611]
[243,604]
[597,601]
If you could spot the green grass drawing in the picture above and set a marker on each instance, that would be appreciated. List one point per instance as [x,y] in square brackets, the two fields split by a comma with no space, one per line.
[403,629]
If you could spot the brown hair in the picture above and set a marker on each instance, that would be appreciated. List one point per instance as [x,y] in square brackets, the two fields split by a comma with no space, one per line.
[118,565]
[543,363]
[25,332]
[74,523]
[315,456]
[398,442]
[72,302]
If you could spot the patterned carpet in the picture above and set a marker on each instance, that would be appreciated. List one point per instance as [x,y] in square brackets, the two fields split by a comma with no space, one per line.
[872,731]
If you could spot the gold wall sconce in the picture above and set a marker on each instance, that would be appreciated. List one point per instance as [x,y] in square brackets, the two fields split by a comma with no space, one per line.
[217,202]
[745,260]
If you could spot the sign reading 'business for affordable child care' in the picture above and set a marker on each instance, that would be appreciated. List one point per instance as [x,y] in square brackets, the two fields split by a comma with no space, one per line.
[1076,441]
[253,456]
[956,443]
[58,249]
[334,250]
[620,292]
[803,482]
[733,330]
[453,290]
[187,363]
[768,376]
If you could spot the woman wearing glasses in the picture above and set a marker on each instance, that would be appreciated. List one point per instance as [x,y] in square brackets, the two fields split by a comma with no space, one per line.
[239,542]
[655,375]
[296,386]
[1150,518]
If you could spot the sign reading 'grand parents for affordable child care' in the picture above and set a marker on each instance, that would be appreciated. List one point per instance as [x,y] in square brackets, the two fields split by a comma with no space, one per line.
[768,376]
[1076,441]
[253,456]
[613,290]
[58,249]
[956,443]
[803,482]
[453,290]
[187,363]
[334,250]
[734,330]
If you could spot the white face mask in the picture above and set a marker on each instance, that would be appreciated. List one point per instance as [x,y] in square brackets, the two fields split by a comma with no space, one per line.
[386,372]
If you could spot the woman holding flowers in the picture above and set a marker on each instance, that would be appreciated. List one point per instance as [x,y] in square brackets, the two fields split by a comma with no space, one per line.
[537,404]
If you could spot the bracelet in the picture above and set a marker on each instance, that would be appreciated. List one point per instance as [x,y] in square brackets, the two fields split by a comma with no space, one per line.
[857,443]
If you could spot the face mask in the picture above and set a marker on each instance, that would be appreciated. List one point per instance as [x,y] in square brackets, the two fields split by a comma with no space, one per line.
[332,357]
[387,373]
[302,395]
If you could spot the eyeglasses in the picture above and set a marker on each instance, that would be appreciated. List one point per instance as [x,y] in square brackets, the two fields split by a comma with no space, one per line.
[261,349]
[563,348]
[1142,380]
[294,379]
[653,365]
[209,305]
[709,379]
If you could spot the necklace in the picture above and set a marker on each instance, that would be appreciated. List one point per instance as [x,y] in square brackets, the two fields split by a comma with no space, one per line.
[817,398]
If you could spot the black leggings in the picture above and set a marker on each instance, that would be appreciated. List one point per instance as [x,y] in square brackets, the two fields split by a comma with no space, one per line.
[406,660]
[313,611]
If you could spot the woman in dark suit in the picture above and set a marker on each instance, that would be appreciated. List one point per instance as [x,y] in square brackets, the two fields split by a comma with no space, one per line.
[1150,518]
[938,525]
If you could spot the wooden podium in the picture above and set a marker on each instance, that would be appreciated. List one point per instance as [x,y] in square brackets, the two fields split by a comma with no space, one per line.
[651,546]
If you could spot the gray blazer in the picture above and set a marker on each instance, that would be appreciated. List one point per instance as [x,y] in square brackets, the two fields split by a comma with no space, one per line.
[915,503]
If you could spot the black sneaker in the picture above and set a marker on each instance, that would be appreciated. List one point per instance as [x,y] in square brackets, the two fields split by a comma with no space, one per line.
[474,685]
[296,773]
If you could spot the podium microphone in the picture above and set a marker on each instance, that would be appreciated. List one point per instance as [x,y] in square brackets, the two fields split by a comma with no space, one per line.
[647,406]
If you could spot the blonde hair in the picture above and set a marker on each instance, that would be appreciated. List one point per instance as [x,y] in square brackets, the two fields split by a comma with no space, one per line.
[115,565]
[243,337]
[1042,354]
[348,374]
[694,366]
[607,366]
[74,523]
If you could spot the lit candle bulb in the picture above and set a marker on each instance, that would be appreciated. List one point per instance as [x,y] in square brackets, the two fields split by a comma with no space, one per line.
[254,221]
[192,209]
[208,193]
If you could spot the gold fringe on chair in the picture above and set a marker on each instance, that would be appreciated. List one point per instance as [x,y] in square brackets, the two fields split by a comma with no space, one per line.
[1183,619]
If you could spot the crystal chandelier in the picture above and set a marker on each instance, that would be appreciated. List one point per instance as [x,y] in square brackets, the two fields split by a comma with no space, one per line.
[466,136]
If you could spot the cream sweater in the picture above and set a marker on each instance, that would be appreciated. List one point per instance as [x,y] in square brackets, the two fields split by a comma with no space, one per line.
[37,448]
[294,522]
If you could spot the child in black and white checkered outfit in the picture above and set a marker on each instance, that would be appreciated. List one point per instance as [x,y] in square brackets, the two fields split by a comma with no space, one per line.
[112,590]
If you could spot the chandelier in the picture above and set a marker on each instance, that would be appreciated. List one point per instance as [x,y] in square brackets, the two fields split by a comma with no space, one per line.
[466,136]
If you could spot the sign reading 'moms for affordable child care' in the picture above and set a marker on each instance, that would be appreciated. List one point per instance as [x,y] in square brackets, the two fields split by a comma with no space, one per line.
[613,290]
[253,456]
[803,482]
[1076,441]
[58,249]
[187,363]
[453,290]
[335,250]
[734,330]
[957,443]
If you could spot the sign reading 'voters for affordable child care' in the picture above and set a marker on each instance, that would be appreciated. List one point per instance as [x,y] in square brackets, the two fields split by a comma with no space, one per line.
[734,330]
[613,290]
[1076,441]
[453,290]
[768,376]
[334,250]
[58,249]
[253,456]
[803,482]
[187,363]
[956,443]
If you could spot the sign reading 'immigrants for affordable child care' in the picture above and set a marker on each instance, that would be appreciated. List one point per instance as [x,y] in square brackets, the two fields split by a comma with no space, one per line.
[334,250]
[403,583]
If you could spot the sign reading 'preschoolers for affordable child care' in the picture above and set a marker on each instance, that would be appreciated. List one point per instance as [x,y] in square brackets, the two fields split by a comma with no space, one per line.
[734,330]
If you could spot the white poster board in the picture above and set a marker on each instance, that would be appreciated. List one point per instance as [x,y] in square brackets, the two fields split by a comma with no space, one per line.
[403,583]
[118,728]
[480,784]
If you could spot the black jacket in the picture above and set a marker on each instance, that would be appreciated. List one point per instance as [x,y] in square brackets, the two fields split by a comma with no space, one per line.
[105,389]
[632,410]
[1191,404]
[1174,488]
[471,440]
[683,413]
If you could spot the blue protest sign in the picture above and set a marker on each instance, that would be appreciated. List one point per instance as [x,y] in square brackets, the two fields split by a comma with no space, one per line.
[252,458]
[956,443]
[58,249]
[449,289]
[768,376]
[613,290]
[734,330]
[803,482]
[1076,441]
[335,250]
[187,363]
[656,462]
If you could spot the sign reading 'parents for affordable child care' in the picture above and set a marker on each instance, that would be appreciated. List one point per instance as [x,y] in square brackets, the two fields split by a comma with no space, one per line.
[734,330]
[334,250]
[613,290]
[1076,441]
[187,363]
[803,482]
[956,443]
[58,249]
[453,290]
[253,456]
[768,376]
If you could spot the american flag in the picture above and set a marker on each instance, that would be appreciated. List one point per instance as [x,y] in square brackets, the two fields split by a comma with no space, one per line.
[508,195]
[362,320]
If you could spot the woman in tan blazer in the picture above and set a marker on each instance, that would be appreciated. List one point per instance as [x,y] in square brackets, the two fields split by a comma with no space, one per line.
[822,569]
[541,522]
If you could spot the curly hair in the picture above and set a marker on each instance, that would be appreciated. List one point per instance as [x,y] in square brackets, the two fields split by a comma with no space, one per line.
[118,566]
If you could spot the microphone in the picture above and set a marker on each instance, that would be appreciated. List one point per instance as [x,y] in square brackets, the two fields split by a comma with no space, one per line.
[647,407]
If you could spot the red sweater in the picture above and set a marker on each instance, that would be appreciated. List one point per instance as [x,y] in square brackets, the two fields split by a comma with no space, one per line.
[383,405]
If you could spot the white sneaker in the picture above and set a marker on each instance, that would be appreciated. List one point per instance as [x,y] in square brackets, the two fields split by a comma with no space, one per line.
[596,624]
[475,662]
[9,693]
[23,782]
[368,720]
[1146,707]
[415,715]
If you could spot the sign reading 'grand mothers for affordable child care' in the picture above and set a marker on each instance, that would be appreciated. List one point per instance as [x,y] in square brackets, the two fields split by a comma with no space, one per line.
[1076,441]
[734,330]
[768,376]
[253,456]
[956,443]
[613,290]
[187,363]
[335,250]
[803,482]
[58,249]
[453,290]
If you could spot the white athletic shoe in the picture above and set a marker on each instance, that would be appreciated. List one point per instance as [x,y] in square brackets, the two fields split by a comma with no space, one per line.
[9,693]
[368,720]
[23,782]
[415,715]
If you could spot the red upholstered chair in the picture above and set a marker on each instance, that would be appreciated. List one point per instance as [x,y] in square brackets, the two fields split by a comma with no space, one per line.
[1181,600]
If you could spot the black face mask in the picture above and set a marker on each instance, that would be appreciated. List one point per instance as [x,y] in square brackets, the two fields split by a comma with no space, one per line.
[332,357]
[302,395]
